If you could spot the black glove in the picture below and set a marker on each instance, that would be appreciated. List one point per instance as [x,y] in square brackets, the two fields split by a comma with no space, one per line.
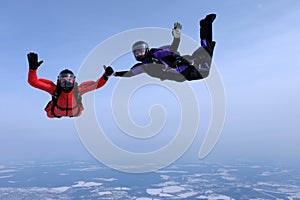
[33,61]
[108,70]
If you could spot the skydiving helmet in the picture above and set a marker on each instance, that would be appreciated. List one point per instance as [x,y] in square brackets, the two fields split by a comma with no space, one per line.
[66,80]
[140,50]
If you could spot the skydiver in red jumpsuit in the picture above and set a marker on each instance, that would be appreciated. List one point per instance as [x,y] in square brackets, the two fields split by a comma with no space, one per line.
[66,93]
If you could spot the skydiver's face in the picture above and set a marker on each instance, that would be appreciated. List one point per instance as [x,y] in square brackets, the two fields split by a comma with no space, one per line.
[139,52]
[66,82]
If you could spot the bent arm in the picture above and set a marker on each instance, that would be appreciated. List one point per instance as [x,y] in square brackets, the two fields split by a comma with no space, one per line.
[40,83]
[175,44]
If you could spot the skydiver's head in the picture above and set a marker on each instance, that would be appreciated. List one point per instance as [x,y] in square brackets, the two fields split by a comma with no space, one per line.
[140,50]
[66,80]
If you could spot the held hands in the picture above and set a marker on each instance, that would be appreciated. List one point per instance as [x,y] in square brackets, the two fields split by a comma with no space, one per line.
[176,31]
[108,70]
[33,61]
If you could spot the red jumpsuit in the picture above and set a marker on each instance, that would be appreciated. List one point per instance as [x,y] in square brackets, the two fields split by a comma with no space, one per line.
[65,100]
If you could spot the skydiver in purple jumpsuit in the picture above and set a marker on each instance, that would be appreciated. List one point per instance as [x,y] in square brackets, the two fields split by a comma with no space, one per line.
[167,64]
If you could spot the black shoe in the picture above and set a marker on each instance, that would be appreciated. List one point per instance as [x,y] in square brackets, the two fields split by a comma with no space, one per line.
[208,19]
[211,17]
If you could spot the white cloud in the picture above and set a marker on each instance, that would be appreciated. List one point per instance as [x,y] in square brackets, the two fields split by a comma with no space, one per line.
[5,176]
[7,170]
[104,193]
[86,184]
[106,179]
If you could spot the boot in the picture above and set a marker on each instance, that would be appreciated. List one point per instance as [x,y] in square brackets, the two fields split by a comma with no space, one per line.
[206,28]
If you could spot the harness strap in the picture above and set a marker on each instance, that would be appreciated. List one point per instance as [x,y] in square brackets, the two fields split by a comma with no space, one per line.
[54,101]
[55,97]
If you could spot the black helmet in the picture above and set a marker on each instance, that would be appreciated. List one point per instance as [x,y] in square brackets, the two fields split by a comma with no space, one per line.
[140,50]
[66,80]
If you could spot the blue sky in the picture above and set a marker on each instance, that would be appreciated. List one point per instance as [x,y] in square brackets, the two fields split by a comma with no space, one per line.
[256,55]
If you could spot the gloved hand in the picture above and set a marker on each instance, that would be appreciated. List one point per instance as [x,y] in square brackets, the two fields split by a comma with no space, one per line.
[108,70]
[176,31]
[33,61]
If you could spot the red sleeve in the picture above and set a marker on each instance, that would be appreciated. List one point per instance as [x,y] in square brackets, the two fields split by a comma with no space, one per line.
[88,86]
[40,83]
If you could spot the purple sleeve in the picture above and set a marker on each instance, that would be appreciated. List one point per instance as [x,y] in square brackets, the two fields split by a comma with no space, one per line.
[137,69]
[161,53]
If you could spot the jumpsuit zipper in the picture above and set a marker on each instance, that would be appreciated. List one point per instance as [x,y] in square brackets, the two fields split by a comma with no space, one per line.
[67,105]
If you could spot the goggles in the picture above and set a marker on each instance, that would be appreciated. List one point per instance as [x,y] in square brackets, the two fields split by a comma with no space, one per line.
[139,52]
[67,77]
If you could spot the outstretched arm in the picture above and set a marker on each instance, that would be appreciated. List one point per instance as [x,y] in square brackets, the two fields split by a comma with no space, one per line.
[93,85]
[124,73]
[135,70]
[88,86]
